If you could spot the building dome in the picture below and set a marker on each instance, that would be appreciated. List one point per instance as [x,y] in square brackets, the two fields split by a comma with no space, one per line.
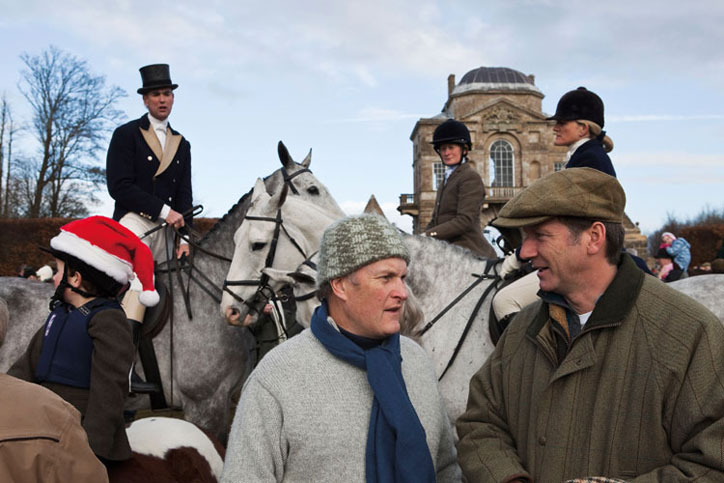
[495,79]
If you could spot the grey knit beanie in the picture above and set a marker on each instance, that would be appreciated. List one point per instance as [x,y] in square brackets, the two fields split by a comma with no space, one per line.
[356,241]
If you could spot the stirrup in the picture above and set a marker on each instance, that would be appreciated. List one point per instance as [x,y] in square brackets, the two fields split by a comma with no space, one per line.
[139,386]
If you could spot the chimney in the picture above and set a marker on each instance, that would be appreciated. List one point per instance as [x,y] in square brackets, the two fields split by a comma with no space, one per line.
[450,84]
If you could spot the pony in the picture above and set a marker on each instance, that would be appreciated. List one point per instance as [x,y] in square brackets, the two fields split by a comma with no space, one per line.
[169,450]
[202,359]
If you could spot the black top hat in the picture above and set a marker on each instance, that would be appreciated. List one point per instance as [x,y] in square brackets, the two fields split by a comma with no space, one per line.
[155,76]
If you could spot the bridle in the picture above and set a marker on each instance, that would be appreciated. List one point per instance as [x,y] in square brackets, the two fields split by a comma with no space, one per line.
[265,292]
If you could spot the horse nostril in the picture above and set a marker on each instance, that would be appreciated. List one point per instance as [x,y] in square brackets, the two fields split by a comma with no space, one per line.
[234,311]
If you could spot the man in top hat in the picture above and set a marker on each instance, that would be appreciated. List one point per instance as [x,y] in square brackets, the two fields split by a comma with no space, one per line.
[349,399]
[149,166]
[148,170]
[611,373]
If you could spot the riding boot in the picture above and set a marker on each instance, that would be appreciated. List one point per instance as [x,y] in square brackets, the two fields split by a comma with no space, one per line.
[136,384]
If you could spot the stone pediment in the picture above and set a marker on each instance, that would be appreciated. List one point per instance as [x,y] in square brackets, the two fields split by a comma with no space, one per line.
[503,111]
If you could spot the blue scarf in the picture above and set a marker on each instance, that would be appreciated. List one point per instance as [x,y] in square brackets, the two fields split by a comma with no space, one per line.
[396,446]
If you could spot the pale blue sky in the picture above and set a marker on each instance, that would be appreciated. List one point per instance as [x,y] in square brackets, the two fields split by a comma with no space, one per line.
[349,79]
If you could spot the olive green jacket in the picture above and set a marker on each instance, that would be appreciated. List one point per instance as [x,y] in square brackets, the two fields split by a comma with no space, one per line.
[638,395]
[456,217]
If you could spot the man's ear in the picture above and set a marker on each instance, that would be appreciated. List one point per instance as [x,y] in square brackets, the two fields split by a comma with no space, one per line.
[339,288]
[597,240]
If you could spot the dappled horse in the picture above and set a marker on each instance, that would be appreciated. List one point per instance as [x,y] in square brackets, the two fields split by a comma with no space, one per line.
[439,273]
[209,356]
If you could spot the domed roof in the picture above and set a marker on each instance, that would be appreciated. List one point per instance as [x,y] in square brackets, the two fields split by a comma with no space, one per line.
[495,78]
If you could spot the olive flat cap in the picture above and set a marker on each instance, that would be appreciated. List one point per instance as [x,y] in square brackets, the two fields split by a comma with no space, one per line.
[577,192]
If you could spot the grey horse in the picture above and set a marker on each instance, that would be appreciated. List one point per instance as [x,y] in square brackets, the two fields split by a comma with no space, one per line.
[438,274]
[210,358]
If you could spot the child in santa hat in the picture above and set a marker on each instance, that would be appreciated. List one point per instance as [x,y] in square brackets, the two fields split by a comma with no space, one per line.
[84,350]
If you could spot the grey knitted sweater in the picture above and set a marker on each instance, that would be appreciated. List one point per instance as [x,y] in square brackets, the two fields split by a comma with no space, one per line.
[304,415]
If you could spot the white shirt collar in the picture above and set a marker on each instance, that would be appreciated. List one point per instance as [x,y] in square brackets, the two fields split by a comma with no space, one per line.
[572,148]
[157,124]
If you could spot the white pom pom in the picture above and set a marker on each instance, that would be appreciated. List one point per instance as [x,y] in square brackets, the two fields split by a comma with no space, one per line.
[149,298]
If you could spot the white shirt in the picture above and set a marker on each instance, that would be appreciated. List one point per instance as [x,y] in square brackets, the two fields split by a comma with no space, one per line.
[572,148]
[159,127]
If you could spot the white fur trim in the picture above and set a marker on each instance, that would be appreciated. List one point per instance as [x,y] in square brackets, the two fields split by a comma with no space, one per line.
[118,269]
[148,298]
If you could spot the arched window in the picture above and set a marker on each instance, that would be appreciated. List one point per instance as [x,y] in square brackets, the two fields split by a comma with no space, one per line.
[501,163]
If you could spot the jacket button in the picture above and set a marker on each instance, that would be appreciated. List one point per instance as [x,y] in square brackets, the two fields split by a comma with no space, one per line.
[174,180]
[169,198]
[542,440]
[178,162]
[150,158]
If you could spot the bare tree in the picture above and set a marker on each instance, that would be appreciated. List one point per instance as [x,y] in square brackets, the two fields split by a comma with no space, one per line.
[4,111]
[73,112]
[8,130]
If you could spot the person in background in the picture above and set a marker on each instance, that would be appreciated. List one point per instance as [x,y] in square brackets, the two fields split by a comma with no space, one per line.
[348,399]
[611,373]
[456,216]
[679,249]
[668,270]
[84,350]
[41,438]
[27,271]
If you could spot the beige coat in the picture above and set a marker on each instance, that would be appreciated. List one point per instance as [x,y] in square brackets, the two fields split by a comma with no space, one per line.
[41,438]
[638,395]
[456,217]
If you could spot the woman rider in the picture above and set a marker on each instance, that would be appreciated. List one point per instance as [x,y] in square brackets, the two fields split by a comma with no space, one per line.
[456,216]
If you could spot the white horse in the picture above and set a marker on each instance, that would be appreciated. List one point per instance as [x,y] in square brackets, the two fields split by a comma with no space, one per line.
[438,273]
[253,273]
[210,357]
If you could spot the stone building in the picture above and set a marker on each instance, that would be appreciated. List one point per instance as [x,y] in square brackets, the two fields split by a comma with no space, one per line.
[512,142]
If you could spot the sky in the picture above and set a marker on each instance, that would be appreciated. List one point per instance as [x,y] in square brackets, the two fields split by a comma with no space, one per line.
[350,79]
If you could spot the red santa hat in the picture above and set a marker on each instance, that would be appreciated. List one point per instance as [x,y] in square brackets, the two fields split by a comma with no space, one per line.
[111,248]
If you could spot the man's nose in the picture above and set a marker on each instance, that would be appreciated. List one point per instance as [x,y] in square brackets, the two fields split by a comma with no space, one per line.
[527,250]
[400,290]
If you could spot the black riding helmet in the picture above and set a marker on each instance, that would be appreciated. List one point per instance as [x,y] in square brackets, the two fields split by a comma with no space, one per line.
[579,104]
[451,132]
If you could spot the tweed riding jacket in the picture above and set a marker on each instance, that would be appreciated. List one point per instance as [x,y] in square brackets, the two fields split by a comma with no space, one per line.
[456,218]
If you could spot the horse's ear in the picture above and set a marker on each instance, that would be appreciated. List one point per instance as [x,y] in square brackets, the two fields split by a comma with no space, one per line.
[259,190]
[284,156]
[308,160]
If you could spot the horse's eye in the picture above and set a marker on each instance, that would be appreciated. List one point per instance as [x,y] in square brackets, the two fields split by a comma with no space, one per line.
[313,190]
[257,246]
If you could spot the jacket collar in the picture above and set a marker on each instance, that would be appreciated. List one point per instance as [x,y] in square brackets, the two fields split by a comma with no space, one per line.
[612,307]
